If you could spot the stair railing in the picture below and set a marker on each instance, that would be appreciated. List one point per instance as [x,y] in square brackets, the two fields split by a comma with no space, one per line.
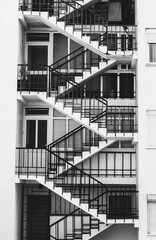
[73,225]
[78,98]
[71,12]
[76,143]
[72,179]
[126,209]
[80,59]
[84,19]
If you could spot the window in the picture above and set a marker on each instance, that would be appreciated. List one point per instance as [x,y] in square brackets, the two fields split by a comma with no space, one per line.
[119,207]
[37,37]
[110,85]
[36,111]
[151,128]
[37,55]
[152,52]
[36,133]
[151,214]
[126,85]
[151,46]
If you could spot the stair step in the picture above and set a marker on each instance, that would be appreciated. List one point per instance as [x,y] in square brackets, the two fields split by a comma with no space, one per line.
[85,154]
[77,159]
[53,19]
[86,74]
[78,34]
[94,126]
[102,217]
[93,211]
[102,65]
[94,149]
[95,44]
[76,201]
[94,70]
[78,79]
[103,49]
[69,29]
[61,25]
[86,39]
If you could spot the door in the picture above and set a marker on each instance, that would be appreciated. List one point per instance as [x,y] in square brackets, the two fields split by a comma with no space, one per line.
[36,133]
[37,61]
[38,212]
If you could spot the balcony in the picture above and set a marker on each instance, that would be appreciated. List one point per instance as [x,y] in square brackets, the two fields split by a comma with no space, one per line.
[122,119]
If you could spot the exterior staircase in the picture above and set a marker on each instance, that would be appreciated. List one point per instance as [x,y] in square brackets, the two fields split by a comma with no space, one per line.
[76,225]
[72,25]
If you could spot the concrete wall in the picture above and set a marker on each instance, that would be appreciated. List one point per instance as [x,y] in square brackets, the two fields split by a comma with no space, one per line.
[8,77]
[21,43]
[146,75]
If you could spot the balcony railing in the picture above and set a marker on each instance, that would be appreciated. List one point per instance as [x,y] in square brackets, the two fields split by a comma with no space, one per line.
[30,162]
[115,202]
[32,78]
[111,164]
[122,119]
[121,38]
[74,225]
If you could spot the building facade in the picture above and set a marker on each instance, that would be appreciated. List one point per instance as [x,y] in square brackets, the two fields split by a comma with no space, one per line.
[82,164]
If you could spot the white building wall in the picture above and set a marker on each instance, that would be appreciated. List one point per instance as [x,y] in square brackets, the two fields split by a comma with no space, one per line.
[8,72]
[146,75]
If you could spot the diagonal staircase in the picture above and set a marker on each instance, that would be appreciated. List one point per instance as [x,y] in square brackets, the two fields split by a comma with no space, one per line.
[78,103]
[84,63]
[80,23]
[78,145]
[76,225]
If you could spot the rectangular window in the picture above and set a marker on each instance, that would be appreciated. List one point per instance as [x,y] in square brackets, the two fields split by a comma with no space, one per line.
[126,85]
[110,86]
[151,214]
[37,37]
[30,133]
[152,52]
[37,55]
[119,207]
[36,133]
[112,42]
[36,111]
[151,129]
[42,133]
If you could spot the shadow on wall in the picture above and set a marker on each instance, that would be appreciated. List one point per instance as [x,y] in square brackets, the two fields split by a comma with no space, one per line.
[118,232]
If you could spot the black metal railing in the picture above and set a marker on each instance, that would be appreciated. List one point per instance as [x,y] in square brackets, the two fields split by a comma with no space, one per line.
[72,179]
[32,78]
[114,202]
[31,162]
[80,59]
[111,164]
[121,38]
[78,98]
[75,143]
[74,225]
[122,119]
[71,12]
[117,203]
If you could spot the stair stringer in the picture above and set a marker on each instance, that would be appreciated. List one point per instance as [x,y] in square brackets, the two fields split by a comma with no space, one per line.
[75,116]
[94,232]
[78,159]
[66,196]
[76,201]
[102,68]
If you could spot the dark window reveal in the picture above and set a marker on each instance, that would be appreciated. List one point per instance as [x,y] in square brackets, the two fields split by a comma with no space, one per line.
[37,37]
